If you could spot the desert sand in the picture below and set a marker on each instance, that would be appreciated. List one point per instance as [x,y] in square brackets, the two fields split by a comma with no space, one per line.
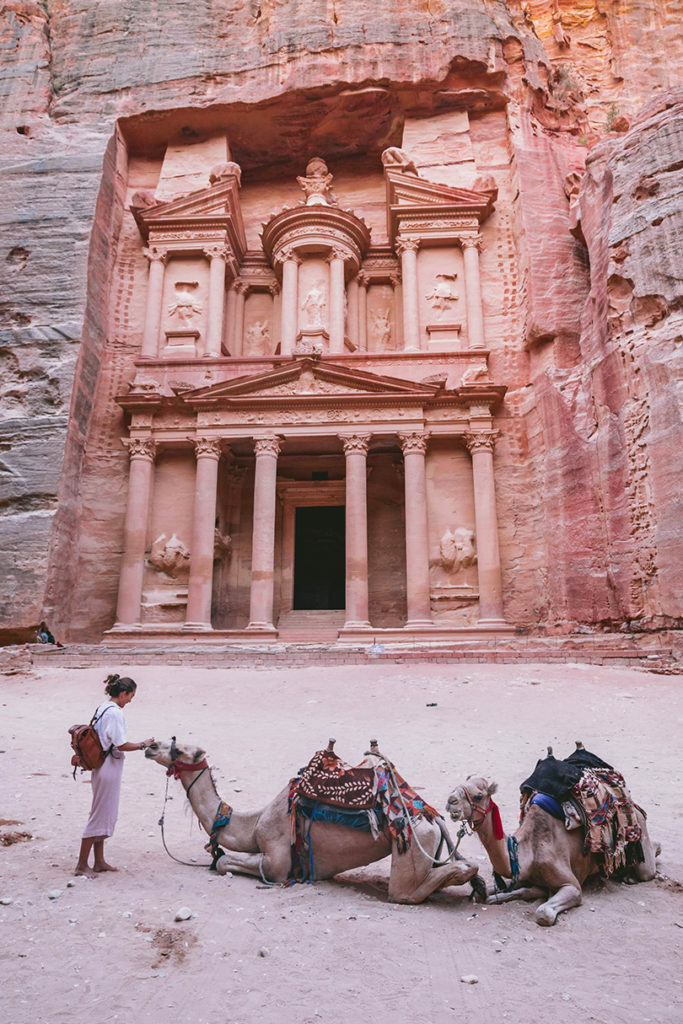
[109,949]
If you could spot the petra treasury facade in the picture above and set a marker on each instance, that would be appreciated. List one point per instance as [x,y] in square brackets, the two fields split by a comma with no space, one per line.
[322,321]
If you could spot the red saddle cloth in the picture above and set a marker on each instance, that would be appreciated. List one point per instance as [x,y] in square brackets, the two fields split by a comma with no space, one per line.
[327,779]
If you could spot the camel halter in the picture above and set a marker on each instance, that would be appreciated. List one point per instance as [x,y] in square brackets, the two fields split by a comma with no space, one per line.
[176,769]
[492,809]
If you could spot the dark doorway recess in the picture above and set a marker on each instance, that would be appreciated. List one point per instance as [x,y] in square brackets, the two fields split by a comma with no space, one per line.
[320,557]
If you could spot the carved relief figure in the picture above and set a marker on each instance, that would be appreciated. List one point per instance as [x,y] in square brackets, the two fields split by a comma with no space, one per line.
[258,337]
[314,305]
[443,294]
[186,304]
[169,556]
[456,549]
[381,329]
[316,184]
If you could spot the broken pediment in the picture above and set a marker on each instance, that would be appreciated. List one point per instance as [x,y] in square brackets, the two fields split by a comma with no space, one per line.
[197,215]
[410,196]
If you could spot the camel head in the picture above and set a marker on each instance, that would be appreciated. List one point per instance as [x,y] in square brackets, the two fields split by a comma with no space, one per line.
[165,752]
[474,795]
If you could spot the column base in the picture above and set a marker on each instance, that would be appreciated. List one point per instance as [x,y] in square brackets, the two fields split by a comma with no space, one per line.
[124,627]
[357,624]
[204,627]
[261,627]
[419,624]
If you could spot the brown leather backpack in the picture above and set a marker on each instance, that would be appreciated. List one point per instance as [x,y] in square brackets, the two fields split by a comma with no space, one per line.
[88,750]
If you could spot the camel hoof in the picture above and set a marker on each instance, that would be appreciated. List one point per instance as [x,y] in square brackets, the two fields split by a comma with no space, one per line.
[479,891]
[545,916]
[222,865]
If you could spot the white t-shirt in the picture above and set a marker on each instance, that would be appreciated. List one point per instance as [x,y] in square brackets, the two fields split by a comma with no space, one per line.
[111,727]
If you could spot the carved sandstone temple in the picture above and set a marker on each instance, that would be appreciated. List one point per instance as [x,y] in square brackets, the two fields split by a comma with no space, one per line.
[310,423]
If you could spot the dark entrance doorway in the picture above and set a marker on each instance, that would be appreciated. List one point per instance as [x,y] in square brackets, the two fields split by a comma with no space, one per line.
[320,557]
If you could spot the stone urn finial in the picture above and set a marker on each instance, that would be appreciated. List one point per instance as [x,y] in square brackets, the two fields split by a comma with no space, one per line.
[316,184]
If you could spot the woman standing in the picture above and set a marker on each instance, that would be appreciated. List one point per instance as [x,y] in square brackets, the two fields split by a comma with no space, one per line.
[106,780]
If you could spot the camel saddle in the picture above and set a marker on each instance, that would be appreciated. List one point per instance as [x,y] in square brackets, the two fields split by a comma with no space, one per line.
[328,780]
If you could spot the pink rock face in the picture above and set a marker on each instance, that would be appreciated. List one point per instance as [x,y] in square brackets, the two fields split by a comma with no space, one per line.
[579,283]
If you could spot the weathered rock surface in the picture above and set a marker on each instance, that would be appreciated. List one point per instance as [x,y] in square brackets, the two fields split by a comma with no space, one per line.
[584,325]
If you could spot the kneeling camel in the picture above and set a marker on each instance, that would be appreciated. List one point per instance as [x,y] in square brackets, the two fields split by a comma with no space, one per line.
[550,858]
[259,843]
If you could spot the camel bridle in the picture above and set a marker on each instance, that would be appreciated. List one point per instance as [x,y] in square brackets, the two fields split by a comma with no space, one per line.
[175,770]
[474,806]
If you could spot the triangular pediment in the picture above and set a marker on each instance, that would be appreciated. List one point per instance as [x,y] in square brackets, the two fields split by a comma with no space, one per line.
[412,192]
[307,379]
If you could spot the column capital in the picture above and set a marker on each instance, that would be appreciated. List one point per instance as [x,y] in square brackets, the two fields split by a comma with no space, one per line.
[363,279]
[274,287]
[407,245]
[267,446]
[414,442]
[207,446]
[471,242]
[140,447]
[241,287]
[156,254]
[355,444]
[338,253]
[287,255]
[481,440]
[213,252]
[394,280]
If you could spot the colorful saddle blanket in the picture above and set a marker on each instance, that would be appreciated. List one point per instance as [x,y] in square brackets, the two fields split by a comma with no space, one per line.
[328,779]
[589,789]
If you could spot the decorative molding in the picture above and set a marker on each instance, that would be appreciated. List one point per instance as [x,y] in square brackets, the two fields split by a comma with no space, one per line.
[140,447]
[355,444]
[414,443]
[266,446]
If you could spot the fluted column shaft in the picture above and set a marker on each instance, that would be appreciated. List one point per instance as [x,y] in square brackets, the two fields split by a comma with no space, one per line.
[475,310]
[362,312]
[155,292]
[355,450]
[263,541]
[417,541]
[135,530]
[337,293]
[481,446]
[198,614]
[217,256]
[407,249]
[290,303]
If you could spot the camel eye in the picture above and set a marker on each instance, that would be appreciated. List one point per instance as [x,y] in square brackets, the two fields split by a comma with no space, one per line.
[478,797]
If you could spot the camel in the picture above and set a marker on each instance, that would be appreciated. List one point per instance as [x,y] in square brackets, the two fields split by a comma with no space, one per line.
[259,843]
[550,858]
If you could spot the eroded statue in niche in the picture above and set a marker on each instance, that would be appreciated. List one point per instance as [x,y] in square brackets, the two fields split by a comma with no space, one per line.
[456,549]
[169,556]
[443,294]
[186,305]
[258,337]
[314,305]
[316,183]
[397,159]
[381,328]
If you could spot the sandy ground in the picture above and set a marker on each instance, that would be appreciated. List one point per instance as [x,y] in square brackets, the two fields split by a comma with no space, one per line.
[109,949]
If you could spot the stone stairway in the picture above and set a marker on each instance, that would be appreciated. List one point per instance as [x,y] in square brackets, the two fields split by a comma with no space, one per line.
[312,627]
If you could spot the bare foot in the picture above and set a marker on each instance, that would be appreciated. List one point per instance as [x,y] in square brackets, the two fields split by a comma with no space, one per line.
[85,870]
[102,865]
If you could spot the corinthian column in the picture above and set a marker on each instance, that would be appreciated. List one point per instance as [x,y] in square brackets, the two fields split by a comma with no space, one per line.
[417,542]
[363,282]
[266,450]
[337,294]
[475,311]
[141,454]
[198,616]
[155,292]
[290,301]
[240,290]
[481,446]
[355,450]
[217,256]
[407,250]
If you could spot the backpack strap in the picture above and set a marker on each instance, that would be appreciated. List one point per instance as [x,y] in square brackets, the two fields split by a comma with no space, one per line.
[95,719]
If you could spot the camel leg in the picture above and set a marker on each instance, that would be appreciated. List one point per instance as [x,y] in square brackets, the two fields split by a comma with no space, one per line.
[523,893]
[413,878]
[566,897]
[272,865]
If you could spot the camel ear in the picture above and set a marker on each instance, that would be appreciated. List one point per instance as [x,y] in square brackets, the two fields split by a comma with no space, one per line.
[492,788]
[199,755]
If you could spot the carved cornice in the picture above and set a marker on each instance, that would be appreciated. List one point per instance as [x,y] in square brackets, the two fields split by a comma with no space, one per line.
[207,447]
[414,443]
[267,446]
[355,444]
[140,447]
[481,440]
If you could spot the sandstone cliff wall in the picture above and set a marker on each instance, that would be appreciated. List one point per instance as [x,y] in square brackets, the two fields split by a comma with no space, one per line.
[591,429]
